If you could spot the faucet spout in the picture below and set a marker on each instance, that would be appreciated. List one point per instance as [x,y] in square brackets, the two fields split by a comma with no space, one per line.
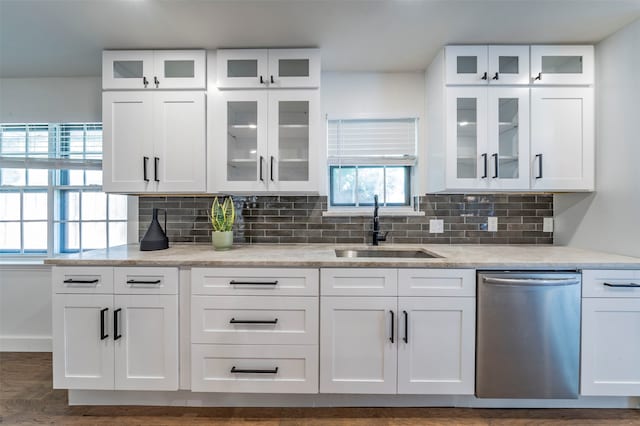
[375,236]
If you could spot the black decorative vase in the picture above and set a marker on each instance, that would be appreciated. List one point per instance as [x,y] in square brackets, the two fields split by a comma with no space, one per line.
[155,237]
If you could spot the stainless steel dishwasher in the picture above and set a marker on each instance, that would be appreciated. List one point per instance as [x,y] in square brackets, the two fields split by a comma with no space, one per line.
[528,335]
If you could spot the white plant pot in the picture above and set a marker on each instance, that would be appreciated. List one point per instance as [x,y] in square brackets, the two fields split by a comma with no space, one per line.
[222,240]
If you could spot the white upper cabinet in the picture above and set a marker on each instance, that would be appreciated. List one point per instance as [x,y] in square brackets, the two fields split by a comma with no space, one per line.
[153,69]
[562,139]
[562,65]
[493,65]
[268,68]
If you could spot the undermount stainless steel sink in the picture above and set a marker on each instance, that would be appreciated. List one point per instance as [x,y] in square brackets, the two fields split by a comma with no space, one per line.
[386,253]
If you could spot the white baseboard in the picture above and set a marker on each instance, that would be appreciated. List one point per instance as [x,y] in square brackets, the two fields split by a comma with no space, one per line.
[25,344]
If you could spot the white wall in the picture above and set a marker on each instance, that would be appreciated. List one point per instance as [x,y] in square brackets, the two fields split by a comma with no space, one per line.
[369,94]
[609,219]
[50,100]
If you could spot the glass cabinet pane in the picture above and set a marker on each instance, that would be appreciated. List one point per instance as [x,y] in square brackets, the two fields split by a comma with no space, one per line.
[127,69]
[242,68]
[242,140]
[562,64]
[293,68]
[293,140]
[179,69]
[467,64]
[467,137]
[508,117]
[508,65]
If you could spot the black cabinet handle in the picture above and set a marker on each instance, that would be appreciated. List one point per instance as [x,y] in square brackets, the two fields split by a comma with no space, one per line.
[406,327]
[629,285]
[495,165]
[156,82]
[484,76]
[393,327]
[234,282]
[116,334]
[539,77]
[72,281]
[484,159]
[261,80]
[495,77]
[539,157]
[261,161]
[103,334]
[272,82]
[271,169]
[145,82]
[156,162]
[237,370]
[145,160]
[144,282]
[235,321]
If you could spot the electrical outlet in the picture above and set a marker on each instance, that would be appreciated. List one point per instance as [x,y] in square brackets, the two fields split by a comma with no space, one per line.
[547,225]
[492,224]
[436,226]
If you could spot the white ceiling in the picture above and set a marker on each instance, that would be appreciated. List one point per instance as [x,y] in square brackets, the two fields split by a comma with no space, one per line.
[64,38]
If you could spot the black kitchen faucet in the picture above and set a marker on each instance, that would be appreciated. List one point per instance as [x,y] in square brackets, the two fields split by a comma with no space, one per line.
[376,235]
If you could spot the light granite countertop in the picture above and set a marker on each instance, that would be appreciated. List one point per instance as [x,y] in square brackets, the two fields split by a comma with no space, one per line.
[323,255]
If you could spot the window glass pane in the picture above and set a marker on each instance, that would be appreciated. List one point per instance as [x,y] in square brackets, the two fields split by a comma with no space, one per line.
[93,177]
[94,206]
[396,185]
[93,144]
[13,142]
[35,235]
[343,185]
[38,143]
[76,178]
[94,235]
[70,205]
[117,233]
[37,177]
[117,207]
[34,206]
[76,140]
[370,183]
[10,236]
[13,177]
[9,206]
[70,239]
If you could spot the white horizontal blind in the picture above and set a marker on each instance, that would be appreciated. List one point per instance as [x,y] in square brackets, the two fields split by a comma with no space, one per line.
[51,146]
[372,141]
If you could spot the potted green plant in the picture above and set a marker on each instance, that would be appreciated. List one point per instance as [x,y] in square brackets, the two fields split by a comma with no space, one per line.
[222,217]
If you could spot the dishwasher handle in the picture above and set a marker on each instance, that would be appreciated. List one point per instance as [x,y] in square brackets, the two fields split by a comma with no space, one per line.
[532,281]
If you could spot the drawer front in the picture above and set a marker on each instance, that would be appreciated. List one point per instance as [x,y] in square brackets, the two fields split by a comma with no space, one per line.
[254,320]
[83,280]
[256,368]
[359,282]
[610,283]
[146,280]
[437,282]
[254,281]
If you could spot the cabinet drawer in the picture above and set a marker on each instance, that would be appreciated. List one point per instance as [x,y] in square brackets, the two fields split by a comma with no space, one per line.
[82,280]
[146,280]
[437,282]
[258,281]
[256,369]
[254,320]
[610,283]
[359,282]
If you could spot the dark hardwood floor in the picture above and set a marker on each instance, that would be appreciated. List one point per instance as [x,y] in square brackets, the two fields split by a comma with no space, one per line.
[26,397]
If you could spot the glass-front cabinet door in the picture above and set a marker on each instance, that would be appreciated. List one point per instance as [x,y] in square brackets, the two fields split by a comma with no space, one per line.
[467,153]
[562,65]
[294,68]
[127,69]
[242,68]
[508,137]
[179,69]
[508,65]
[466,64]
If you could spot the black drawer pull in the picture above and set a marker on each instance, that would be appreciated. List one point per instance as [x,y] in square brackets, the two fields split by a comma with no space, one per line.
[72,281]
[630,285]
[235,321]
[143,282]
[237,370]
[116,334]
[234,282]
[103,335]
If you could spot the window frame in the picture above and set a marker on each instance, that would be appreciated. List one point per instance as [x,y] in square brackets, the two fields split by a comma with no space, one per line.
[407,187]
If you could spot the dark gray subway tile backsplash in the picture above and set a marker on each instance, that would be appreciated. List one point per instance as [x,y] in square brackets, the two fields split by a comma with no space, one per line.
[298,219]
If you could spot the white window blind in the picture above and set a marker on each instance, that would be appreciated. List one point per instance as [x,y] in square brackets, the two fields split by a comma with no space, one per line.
[51,146]
[372,141]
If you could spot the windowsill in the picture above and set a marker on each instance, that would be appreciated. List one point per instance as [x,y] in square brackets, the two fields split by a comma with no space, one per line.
[368,211]
[22,261]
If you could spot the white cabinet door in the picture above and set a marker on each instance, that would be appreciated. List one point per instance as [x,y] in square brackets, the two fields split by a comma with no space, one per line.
[508,137]
[127,69]
[436,345]
[294,139]
[242,68]
[466,64]
[294,68]
[179,69]
[563,65]
[467,150]
[146,342]
[358,351]
[179,160]
[240,144]
[562,139]
[610,347]
[508,65]
[127,121]
[82,341]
